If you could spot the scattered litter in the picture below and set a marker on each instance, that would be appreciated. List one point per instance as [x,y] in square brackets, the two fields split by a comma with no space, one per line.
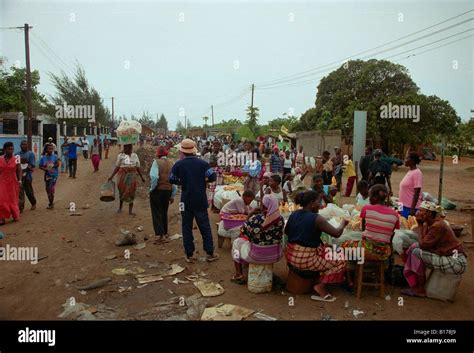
[380,306]
[142,285]
[125,271]
[208,288]
[265,317]
[357,312]
[123,289]
[83,292]
[42,258]
[175,269]
[142,279]
[140,246]
[202,274]
[175,236]
[96,284]
[86,207]
[140,228]
[153,264]
[86,250]
[387,297]
[81,311]
[126,238]
[226,312]
[346,304]
[178,281]
[110,257]
[171,292]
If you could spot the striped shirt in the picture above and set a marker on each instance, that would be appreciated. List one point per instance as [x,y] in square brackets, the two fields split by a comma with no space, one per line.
[380,222]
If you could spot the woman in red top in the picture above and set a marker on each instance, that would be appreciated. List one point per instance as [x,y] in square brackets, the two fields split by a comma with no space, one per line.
[10,179]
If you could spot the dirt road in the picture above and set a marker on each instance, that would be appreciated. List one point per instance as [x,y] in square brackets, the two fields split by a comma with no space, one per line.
[76,248]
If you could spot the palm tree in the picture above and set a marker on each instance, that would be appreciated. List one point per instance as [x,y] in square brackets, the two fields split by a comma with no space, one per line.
[205,118]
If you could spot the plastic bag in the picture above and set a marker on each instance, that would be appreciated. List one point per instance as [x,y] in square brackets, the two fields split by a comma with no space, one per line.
[107,191]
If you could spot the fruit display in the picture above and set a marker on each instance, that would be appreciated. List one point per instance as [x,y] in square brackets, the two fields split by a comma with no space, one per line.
[235,217]
[409,223]
[355,223]
[234,188]
[231,179]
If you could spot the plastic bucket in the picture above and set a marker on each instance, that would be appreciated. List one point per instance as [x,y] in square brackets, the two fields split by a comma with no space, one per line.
[442,286]
[260,278]
[107,192]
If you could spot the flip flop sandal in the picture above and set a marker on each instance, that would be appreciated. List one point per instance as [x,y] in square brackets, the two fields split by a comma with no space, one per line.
[238,280]
[327,298]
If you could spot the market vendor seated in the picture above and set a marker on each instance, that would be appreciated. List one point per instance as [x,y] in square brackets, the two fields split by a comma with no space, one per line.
[295,183]
[240,205]
[437,249]
[321,190]
[260,238]
[306,251]
[276,190]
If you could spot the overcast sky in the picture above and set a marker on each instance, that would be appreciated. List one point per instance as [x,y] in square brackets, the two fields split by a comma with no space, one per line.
[162,56]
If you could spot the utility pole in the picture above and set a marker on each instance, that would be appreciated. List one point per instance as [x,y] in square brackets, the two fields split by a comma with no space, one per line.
[441,170]
[113,116]
[29,108]
[212,110]
[253,87]
[185,124]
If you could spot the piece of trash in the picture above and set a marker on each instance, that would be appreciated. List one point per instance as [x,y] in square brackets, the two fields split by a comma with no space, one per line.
[226,312]
[378,304]
[142,285]
[264,317]
[86,250]
[76,214]
[192,278]
[42,258]
[125,271]
[83,292]
[346,304]
[357,312]
[86,207]
[123,289]
[208,288]
[326,317]
[175,269]
[140,228]
[170,291]
[387,297]
[126,238]
[175,236]
[178,281]
[96,284]
[142,279]
[110,257]
[140,246]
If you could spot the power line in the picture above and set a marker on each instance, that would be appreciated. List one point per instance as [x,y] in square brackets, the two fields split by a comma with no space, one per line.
[305,73]
[313,80]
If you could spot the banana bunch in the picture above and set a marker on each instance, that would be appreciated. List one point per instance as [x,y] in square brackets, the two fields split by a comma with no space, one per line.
[230,179]
[355,224]
[409,223]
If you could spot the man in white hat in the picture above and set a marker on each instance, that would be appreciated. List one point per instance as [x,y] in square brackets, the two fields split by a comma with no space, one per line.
[192,174]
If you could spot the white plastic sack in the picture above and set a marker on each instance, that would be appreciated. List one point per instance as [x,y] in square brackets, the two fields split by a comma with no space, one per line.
[403,239]
[332,210]
[129,128]
[348,235]
[221,195]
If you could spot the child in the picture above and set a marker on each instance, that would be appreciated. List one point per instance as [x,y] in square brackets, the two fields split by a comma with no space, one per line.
[351,176]
[50,163]
[362,197]
[333,193]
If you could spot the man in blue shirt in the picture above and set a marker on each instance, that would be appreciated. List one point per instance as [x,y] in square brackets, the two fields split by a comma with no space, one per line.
[72,156]
[192,174]
[27,160]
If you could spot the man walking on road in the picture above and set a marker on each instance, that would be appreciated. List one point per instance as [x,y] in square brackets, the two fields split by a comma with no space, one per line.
[27,160]
[72,156]
[192,174]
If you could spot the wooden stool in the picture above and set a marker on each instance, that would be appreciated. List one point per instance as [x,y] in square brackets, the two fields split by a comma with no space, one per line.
[299,281]
[380,275]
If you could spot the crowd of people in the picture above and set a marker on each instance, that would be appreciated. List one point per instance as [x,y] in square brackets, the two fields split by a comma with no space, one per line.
[270,177]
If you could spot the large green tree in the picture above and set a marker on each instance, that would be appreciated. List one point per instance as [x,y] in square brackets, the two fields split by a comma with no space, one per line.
[162,123]
[77,91]
[252,119]
[369,85]
[13,90]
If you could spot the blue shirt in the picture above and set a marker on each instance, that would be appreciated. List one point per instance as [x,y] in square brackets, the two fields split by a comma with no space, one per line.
[191,173]
[49,161]
[275,161]
[72,151]
[30,157]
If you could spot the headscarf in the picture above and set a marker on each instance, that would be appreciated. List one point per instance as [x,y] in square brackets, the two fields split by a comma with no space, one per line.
[161,151]
[267,174]
[298,170]
[273,211]
[431,206]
